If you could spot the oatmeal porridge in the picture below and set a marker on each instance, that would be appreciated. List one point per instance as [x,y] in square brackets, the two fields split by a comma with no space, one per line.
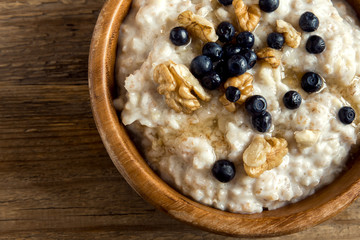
[241,105]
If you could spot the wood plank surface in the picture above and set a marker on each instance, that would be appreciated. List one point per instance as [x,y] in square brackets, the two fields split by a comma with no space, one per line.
[57,181]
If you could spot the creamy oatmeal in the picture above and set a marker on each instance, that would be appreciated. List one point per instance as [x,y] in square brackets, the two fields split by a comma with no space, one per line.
[305,147]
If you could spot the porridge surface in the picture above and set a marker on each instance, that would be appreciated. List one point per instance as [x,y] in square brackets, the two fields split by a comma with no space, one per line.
[182,148]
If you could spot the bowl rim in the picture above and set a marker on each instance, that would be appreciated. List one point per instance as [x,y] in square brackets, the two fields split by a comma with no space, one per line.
[151,188]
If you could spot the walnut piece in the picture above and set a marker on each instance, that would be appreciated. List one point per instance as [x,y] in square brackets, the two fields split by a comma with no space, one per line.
[248,17]
[291,36]
[198,26]
[255,154]
[244,84]
[306,138]
[177,84]
[264,154]
[230,106]
[270,55]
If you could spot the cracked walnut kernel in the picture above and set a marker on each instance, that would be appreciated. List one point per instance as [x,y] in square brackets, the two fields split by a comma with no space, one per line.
[291,36]
[244,84]
[264,154]
[248,17]
[198,26]
[270,55]
[255,154]
[178,86]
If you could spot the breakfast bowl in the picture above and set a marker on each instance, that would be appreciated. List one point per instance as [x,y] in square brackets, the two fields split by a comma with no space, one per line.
[314,209]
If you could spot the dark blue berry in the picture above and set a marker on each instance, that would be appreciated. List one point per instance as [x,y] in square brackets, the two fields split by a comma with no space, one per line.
[262,122]
[255,105]
[245,39]
[179,36]
[308,22]
[213,51]
[201,66]
[311,82]
[232,94]
[220,68]
[346,115]
[269,5]
[236,65]
[225,31]
[223,170]
[275,40]
[292,100]
[315,44]
[250,56]
[231,50]
[211,81]
[225,2]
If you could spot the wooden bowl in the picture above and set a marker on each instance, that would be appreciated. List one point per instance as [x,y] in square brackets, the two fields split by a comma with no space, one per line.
[295,217]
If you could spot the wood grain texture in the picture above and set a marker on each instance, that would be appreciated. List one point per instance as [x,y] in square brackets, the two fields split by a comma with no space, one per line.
[57,181]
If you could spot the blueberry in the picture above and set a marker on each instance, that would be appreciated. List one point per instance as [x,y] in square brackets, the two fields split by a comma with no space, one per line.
[275,40]
[232,94]
[311,82]
[245,39]
[225,2]
[213,51]
[250,56]
[220,67]
[236,65]
[262,122]
[255,105]
[269,5]
[223,170]
[230,50]
[315,44]
[179,36]
[225,31]
[292,100]
[308,22]
[211,81]
[346,115]
[200,66]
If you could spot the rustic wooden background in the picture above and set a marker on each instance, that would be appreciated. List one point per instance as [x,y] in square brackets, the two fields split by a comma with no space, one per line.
[56,179]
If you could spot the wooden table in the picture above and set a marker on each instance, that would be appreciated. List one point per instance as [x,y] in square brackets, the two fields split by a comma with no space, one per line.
[57,181]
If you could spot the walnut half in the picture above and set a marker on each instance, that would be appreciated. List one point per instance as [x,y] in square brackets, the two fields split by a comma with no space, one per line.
[248,17]
[264,154]
[270,55]
[178,86]
[291,36]
[198,26]
[244,84]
